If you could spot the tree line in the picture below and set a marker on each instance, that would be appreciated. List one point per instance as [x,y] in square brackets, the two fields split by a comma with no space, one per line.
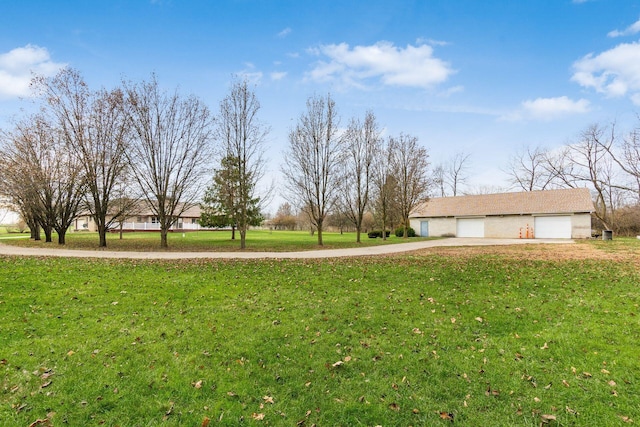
[601,159]
[103,152]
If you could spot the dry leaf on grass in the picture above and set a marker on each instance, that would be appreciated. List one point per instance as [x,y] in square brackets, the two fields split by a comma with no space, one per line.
[546,418]
[446,415]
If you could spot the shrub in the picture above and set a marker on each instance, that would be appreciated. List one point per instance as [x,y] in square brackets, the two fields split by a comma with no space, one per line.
[410,232]
[377,233]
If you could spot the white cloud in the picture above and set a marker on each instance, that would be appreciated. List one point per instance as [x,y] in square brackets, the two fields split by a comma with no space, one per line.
[278,75]
[614,73]
[284,33]
[413,66]
[18,66]
[629,31]
[548,109]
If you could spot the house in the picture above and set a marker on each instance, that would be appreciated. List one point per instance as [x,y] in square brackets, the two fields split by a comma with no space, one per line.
[561,214]
[143,219]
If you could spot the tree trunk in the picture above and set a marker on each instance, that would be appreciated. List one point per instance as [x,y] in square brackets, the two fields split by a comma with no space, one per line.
[163,238]
[62,236]
[35,231]
[319,228]
[48,231]
[121,226]
[233,232]
[102,233]
[243,239]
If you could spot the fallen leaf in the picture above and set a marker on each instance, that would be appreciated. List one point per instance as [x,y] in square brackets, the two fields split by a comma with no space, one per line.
[546,418]
[347,359]
[491,392]
[198,384]
[338,363]
[205,422]
[604,371]
[587,374]
[612,383]
[268,399]
[394,407]
[257,417]
[453,320]
[571,411]
[479,319]
[537,400]
[626,419]
[415,411]
[565,383]
[47,384]
[71,353]
[446,416]
[417,331]
[544,347]
[40,422]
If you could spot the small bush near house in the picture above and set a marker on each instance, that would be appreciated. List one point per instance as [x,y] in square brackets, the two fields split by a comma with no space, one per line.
[410,232]
[378,233]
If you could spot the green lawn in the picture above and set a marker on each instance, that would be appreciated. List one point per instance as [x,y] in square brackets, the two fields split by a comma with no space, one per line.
[257,240]
[489,338]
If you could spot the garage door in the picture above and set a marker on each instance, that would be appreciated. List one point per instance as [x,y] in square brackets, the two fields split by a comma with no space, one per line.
[552,227]
[470,227]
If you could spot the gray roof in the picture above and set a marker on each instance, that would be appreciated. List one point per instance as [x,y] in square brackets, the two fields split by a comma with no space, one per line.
[573,200]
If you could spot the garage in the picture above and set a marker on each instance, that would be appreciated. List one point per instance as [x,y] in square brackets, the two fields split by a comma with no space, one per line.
[552,227]
[470,227]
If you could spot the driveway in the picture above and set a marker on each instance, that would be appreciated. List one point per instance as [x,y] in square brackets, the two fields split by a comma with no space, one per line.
[321,253]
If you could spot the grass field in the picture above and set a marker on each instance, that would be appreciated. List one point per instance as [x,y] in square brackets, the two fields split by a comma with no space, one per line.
[257,241]
[514,336]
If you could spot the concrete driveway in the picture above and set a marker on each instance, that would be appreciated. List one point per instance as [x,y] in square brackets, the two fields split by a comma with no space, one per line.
[321,253]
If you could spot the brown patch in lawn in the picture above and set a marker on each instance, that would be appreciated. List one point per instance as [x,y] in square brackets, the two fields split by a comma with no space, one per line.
[541,252]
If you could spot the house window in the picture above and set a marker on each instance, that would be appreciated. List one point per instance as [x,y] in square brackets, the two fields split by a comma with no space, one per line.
[154,220]
[140,219]
[194,220]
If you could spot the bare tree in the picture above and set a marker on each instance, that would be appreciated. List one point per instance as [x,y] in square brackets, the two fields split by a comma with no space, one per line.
[385,186]
[285,218]
[362,144]
[588,163]
[529,169]
[448,177]
[627,157]
[171,145]
[47,180]
[456,172]
[313,159]
[438,179]
[16,183]
[242,139]
[95,129]
[410,162]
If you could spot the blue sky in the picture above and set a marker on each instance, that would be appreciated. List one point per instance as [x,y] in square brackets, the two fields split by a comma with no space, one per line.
[484,78]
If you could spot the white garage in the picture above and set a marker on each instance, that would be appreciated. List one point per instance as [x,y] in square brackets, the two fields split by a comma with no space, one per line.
[555,214]
[552,227]
[470,227]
